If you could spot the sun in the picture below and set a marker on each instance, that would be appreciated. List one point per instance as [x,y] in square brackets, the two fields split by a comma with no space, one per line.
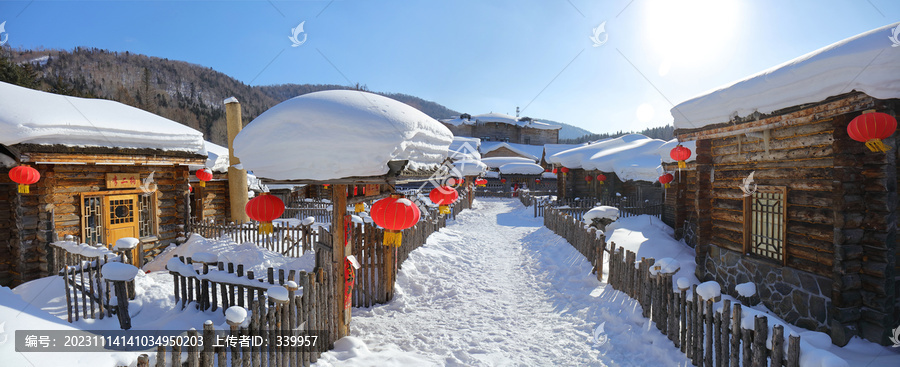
[690,32]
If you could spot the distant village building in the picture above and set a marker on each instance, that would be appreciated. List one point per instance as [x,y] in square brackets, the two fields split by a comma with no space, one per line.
[498,127]
[783,198]
[107,171]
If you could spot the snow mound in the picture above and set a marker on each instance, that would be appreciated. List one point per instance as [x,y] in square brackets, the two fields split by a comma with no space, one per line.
[683,283]
[521,169]
[117,271]
[29,116]
[236,314]
[340,133]
[469,167]
[747,290]
[865,62]
[126,243]
[84,249]
[709,290]
[631,157]
[204,257]
[667,265]
[608,212]
[278,293]
[253,257]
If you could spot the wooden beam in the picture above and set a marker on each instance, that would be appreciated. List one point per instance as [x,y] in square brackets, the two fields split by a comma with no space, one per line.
[341,248]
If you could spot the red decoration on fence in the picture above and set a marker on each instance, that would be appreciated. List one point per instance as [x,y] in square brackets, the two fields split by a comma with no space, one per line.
[601,178]
[871,127]
[203,175]
[443,196]
[349,281]
[666,179]
[394,214]
[680,154]
[264,209]
[24,176]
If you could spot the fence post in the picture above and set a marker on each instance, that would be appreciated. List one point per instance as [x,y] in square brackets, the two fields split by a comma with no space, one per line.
[760,334]
[736,335]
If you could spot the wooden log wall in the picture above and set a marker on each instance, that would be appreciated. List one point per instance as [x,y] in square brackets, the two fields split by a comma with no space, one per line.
[212,201]
[799,157]
[9,243]
[708,335]
[681,202]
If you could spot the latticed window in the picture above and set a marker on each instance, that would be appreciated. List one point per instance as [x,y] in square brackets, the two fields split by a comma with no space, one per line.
[92,219]
[146,206]
[765,219]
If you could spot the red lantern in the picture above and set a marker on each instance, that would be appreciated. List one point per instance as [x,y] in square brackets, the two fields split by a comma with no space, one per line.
[203,175]
[24,176]
[554,171]
[871,127]
[190,188]
[264,209]
[502,180]
[666,179]
[588,178]
[680,154]
[481,182]
[453,182]
[394,214]
[537,181]
[564,170]
[601,178]
[443,196]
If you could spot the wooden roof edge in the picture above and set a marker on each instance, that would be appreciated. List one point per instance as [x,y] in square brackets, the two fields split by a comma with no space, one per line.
[759,122]
[32,149]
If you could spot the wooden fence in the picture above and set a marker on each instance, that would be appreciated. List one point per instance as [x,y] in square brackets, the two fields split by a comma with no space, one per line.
[88,294]
[310,310]
[303,209]
[709,337]
[292,241]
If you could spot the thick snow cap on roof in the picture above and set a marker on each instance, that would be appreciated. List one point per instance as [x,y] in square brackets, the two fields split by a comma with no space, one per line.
[496,117]
[865,63]
[574,158]
[521,169]
[464,148]
[506,119]
[496,162]
[529,151]
[635,160]
[33,117]
[216,158]
[340,133]
[469,167]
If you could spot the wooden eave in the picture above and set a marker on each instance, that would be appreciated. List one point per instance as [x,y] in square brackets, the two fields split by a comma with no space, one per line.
[60,154]
[795,115]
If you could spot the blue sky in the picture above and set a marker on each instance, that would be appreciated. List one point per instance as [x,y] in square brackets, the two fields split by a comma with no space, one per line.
[474,56]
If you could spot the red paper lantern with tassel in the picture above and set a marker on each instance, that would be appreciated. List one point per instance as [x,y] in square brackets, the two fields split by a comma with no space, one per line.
[537,181]
[871,127]
[588,178]
[666,179]
[394,214]
[680,154]
[443,196]
[502,180]
[601,178]
[24,176]
[203,175]
[564,170]
[264,209]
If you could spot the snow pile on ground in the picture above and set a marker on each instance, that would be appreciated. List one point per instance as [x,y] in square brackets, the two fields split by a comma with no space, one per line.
[746,289]
[340,133]
[521,169]
[866,62]
[254,258]
[496,162]
[599,212]
[29,116]
[527,299]
[649,237]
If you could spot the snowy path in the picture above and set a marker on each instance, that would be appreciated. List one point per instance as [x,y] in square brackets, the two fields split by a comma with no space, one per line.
[497,288]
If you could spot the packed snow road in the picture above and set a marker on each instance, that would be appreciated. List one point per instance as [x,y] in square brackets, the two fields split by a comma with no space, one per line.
[496,288]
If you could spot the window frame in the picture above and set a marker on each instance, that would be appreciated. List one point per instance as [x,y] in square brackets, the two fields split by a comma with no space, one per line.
[748,235]
[154,212]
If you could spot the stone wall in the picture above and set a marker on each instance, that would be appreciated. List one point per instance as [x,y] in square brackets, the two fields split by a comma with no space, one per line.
[798,297]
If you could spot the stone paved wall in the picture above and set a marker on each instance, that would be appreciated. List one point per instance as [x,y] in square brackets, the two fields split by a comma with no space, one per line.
[799,297]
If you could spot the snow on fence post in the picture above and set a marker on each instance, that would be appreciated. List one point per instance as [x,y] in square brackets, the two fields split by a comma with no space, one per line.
[208,354]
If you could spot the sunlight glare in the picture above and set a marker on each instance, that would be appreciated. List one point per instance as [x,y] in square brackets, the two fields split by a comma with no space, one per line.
[691,32]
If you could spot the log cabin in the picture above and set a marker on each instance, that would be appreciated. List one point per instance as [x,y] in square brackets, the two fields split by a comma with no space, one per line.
[788,201]
[107,171]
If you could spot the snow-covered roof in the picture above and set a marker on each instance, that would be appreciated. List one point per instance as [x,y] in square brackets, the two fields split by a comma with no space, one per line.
[573,158]
[506,119]
[216,158]
[635,160]
[665,150]
[866,63]
[521,169]
[469,167]
[456,121]
[464,148]
[340,133]
[29,116]
[529,151]
[496,162]
[551,149]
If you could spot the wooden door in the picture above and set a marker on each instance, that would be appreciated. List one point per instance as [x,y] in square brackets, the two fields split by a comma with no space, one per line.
[121,220]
